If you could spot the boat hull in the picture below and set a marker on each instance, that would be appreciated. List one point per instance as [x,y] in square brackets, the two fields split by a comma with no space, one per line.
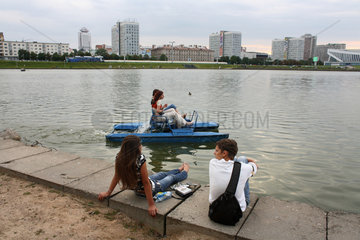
[199,126]
[193,137]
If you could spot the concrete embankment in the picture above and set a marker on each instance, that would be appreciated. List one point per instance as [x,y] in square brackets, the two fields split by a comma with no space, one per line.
[266,218]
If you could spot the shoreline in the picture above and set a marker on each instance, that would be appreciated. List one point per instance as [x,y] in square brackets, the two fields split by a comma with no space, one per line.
[60,171]
[165,65]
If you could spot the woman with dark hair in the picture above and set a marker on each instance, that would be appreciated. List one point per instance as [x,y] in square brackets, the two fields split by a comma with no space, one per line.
[131,171]
[170,113]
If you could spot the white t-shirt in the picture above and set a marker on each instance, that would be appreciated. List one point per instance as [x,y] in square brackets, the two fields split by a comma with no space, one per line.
[220,174]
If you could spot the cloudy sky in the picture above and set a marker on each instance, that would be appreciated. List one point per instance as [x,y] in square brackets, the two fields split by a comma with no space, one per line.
[185,22]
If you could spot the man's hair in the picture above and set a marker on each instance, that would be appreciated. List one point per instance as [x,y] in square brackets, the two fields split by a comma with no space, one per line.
[229,145]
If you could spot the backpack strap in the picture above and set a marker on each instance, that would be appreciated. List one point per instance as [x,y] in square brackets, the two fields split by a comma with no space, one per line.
[231,188]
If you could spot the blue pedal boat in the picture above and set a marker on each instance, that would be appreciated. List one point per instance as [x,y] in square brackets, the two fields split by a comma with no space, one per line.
[200,126]
[162,130]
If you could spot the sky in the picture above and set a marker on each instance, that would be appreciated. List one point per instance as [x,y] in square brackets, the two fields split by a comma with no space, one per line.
[185,22]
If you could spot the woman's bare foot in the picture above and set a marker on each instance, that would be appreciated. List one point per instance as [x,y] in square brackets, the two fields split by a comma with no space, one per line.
[186,167]
[189,123]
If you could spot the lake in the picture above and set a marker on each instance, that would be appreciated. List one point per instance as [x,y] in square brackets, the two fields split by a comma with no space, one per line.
[301,126]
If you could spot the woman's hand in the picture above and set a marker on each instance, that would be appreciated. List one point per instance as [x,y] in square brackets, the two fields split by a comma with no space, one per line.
[103,195]
[152,210]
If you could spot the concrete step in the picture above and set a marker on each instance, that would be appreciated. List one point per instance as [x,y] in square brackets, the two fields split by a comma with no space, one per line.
[273,219]
[193,215]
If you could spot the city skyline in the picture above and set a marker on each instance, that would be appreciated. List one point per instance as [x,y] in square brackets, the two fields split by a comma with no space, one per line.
[185,22]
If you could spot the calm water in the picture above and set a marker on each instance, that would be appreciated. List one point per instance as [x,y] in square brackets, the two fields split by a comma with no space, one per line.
[303,127]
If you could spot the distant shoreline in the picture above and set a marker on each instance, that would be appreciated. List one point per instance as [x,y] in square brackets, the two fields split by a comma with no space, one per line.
[166,65]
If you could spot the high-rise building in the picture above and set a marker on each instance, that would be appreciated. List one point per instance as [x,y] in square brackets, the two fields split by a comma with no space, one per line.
[125,38]
[321,51]
[295,48]
[84,40]
[309,46]
[301,48]
[278,49]
[225,44]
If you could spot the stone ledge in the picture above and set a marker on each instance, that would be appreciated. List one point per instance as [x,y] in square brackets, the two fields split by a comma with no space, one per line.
[137,208]
[192,214]
[275,219]
[343,226]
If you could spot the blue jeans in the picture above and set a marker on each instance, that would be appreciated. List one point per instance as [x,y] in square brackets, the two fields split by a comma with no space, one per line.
[170,106]
[163,180]
[247,186]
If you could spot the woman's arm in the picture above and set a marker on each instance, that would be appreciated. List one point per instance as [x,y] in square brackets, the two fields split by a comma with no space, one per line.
[157,110]
[113,183]
[148,193]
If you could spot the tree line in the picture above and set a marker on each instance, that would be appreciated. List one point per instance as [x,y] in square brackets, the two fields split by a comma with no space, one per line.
[26,55]
[266,61]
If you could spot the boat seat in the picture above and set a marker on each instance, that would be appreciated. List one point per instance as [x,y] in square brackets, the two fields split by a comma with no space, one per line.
[160,123]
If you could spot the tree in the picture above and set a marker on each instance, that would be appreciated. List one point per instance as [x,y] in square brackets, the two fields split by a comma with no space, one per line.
[235,60]
[224,59]
[245,60]
[22,53]
[163,57]
[56,57]
[33,56]
[48,57]
[101,52]
[146,57]
[41,56]
[114,56]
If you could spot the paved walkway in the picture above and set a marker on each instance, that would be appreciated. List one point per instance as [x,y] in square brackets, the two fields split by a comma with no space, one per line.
[266,217]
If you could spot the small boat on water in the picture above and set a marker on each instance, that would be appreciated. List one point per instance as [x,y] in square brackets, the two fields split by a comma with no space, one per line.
[22,69]
[199,126]
[163,130]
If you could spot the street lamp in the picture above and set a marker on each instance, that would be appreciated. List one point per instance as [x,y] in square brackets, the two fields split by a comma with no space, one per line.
[172,50]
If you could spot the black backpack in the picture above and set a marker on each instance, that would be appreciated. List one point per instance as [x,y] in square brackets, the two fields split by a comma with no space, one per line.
[226,209]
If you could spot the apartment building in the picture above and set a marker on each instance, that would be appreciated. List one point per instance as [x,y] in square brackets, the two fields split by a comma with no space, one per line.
[125,38]
[301,48]
[225,44]
[182,53]
[10,49]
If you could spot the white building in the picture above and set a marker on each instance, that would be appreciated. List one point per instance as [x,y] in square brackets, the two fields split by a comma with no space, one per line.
[254,55]
[293,48]
[343,57]
[125,38]
[84,38]
[225,44]
[10,49]
[278,49]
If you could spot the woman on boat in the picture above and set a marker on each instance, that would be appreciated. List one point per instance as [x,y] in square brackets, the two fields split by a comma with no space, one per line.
[131,171]
[165,107]
[170,113]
